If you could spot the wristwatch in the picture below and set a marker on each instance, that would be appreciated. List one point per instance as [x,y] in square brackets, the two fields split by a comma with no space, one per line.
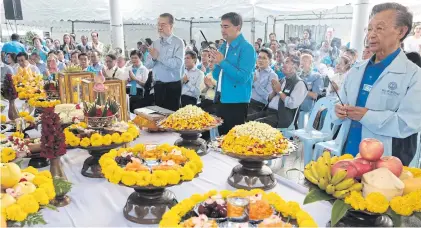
[280,92]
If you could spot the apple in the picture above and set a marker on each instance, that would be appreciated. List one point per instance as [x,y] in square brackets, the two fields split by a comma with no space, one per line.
[352,172]
[10,175]
[394,164]
[371,149]
[363,166]
[7,200]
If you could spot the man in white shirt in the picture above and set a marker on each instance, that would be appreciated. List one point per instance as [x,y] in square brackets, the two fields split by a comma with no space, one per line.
[111,70]
[413,43]
[83,61]
[22,59]
[286,98]
[95,44]
[192,80]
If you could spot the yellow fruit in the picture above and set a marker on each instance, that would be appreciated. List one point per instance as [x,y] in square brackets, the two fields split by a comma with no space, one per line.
[25,187]
[412,185]
[333,160]
[323,183]
[338,177]
[10,175]
[28,176]
[7,200]
[341,194]
[326,157]
[313,169]
[406,174]
[356,187]
[309,176]
[323,170]
[330,189]
[345,184]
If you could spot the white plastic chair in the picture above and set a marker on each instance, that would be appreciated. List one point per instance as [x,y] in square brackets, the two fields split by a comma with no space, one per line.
[310,136]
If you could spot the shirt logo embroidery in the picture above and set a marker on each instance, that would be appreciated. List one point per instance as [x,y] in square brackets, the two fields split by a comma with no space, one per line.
[393,85]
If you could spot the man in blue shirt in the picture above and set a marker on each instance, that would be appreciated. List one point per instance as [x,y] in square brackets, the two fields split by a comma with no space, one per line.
[381,96]
[12,46]
[204,65]
[313,81]
[234,67]
[166,59]
[96,66]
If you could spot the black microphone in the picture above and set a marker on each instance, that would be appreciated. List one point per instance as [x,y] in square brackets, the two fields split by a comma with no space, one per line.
[206,40]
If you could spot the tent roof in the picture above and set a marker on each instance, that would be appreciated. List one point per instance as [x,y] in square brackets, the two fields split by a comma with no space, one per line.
[146,11]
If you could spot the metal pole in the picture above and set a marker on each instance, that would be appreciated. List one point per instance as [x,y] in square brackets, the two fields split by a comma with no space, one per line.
[73,27]
[191,29]
[117,31]
[266,29]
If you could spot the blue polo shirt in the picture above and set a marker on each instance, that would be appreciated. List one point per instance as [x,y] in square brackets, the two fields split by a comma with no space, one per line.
[371,74]
[13,47]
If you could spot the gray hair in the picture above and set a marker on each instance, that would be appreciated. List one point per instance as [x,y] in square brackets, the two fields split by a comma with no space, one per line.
[403,16]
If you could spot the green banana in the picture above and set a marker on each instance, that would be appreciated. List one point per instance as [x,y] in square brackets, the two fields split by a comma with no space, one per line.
[345,184]
[314,170]
[323,183]
[341,194]
[330,189]
[356,187]
[338,177]
[309,176]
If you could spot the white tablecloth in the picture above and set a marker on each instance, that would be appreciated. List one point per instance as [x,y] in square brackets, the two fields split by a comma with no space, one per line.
[96,202]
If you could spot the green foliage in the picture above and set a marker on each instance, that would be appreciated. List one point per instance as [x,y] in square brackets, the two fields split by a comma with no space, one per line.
[33,219]
[61,186]
[339,210]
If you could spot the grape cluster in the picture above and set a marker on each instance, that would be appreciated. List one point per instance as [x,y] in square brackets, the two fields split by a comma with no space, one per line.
[122,161]
[213,210]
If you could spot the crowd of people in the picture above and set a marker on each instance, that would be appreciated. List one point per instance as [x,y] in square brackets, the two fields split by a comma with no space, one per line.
[270,82]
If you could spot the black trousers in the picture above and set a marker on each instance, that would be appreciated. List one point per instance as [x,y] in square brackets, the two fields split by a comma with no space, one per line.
[270,116]
[188,100]
[167,94]
[232,114]
[255,110]
[136,101]
[208,106]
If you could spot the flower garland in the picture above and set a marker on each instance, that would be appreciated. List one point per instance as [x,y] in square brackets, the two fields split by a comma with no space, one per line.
[25,93]
[172,217]
[27,117]
[254,138]
[7,154]
[97,139]
[35,189]
[377,203]
[35,102]
[159,178]
[52,136]
[189,118]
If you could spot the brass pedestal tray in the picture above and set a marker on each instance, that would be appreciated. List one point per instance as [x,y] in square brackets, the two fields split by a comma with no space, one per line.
[91,167]
[355,218]
[252,172]
[191,138]
[148,204]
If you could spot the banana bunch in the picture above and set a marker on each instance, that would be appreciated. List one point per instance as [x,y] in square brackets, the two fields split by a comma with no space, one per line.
[72,69]
[319,173]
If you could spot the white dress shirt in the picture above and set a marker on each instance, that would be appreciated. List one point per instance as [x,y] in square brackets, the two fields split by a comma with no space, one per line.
[294,100]
[195,79]
[141,75]
[116,72]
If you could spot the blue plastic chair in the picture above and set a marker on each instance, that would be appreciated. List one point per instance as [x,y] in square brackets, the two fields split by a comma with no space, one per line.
[334,146]
[310,136]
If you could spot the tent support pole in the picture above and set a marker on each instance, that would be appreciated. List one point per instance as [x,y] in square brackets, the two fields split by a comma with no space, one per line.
[116,25]
[359,23]
[191,29]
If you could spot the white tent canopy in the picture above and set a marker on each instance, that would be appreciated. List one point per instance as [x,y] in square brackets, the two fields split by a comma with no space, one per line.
[46,11]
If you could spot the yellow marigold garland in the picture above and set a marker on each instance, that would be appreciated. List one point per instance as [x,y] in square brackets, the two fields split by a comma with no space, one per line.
[172,217]
[159,178]
[35,102]
[7,154]
[189,118]
[30,203]
[97,139]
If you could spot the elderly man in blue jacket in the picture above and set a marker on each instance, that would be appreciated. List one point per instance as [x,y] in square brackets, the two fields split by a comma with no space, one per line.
[382,96]
[234,67]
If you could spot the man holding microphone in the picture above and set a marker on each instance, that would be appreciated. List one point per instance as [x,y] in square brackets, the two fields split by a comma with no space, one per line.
[234,67]
[166,59]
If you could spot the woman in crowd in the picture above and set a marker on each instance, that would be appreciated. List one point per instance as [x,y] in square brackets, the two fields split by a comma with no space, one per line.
[52,65]
[57,45]
[257,47]
[11,61]
[306,42]
[40,49]
[325,54]
[49,43]
[121,62]
[137,75]
[338,78]
[67,47]
[279,62]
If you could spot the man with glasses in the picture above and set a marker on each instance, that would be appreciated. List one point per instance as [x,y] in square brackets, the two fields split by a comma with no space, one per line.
[234,67]
[166,59]
[111,70]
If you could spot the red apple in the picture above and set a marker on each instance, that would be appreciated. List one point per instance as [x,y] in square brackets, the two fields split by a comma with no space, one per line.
[362,166]
[371,149]
[346,165]
[394,164]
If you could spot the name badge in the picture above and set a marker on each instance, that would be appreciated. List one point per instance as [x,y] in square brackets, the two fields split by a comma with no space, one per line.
[367,87]
[286,91]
